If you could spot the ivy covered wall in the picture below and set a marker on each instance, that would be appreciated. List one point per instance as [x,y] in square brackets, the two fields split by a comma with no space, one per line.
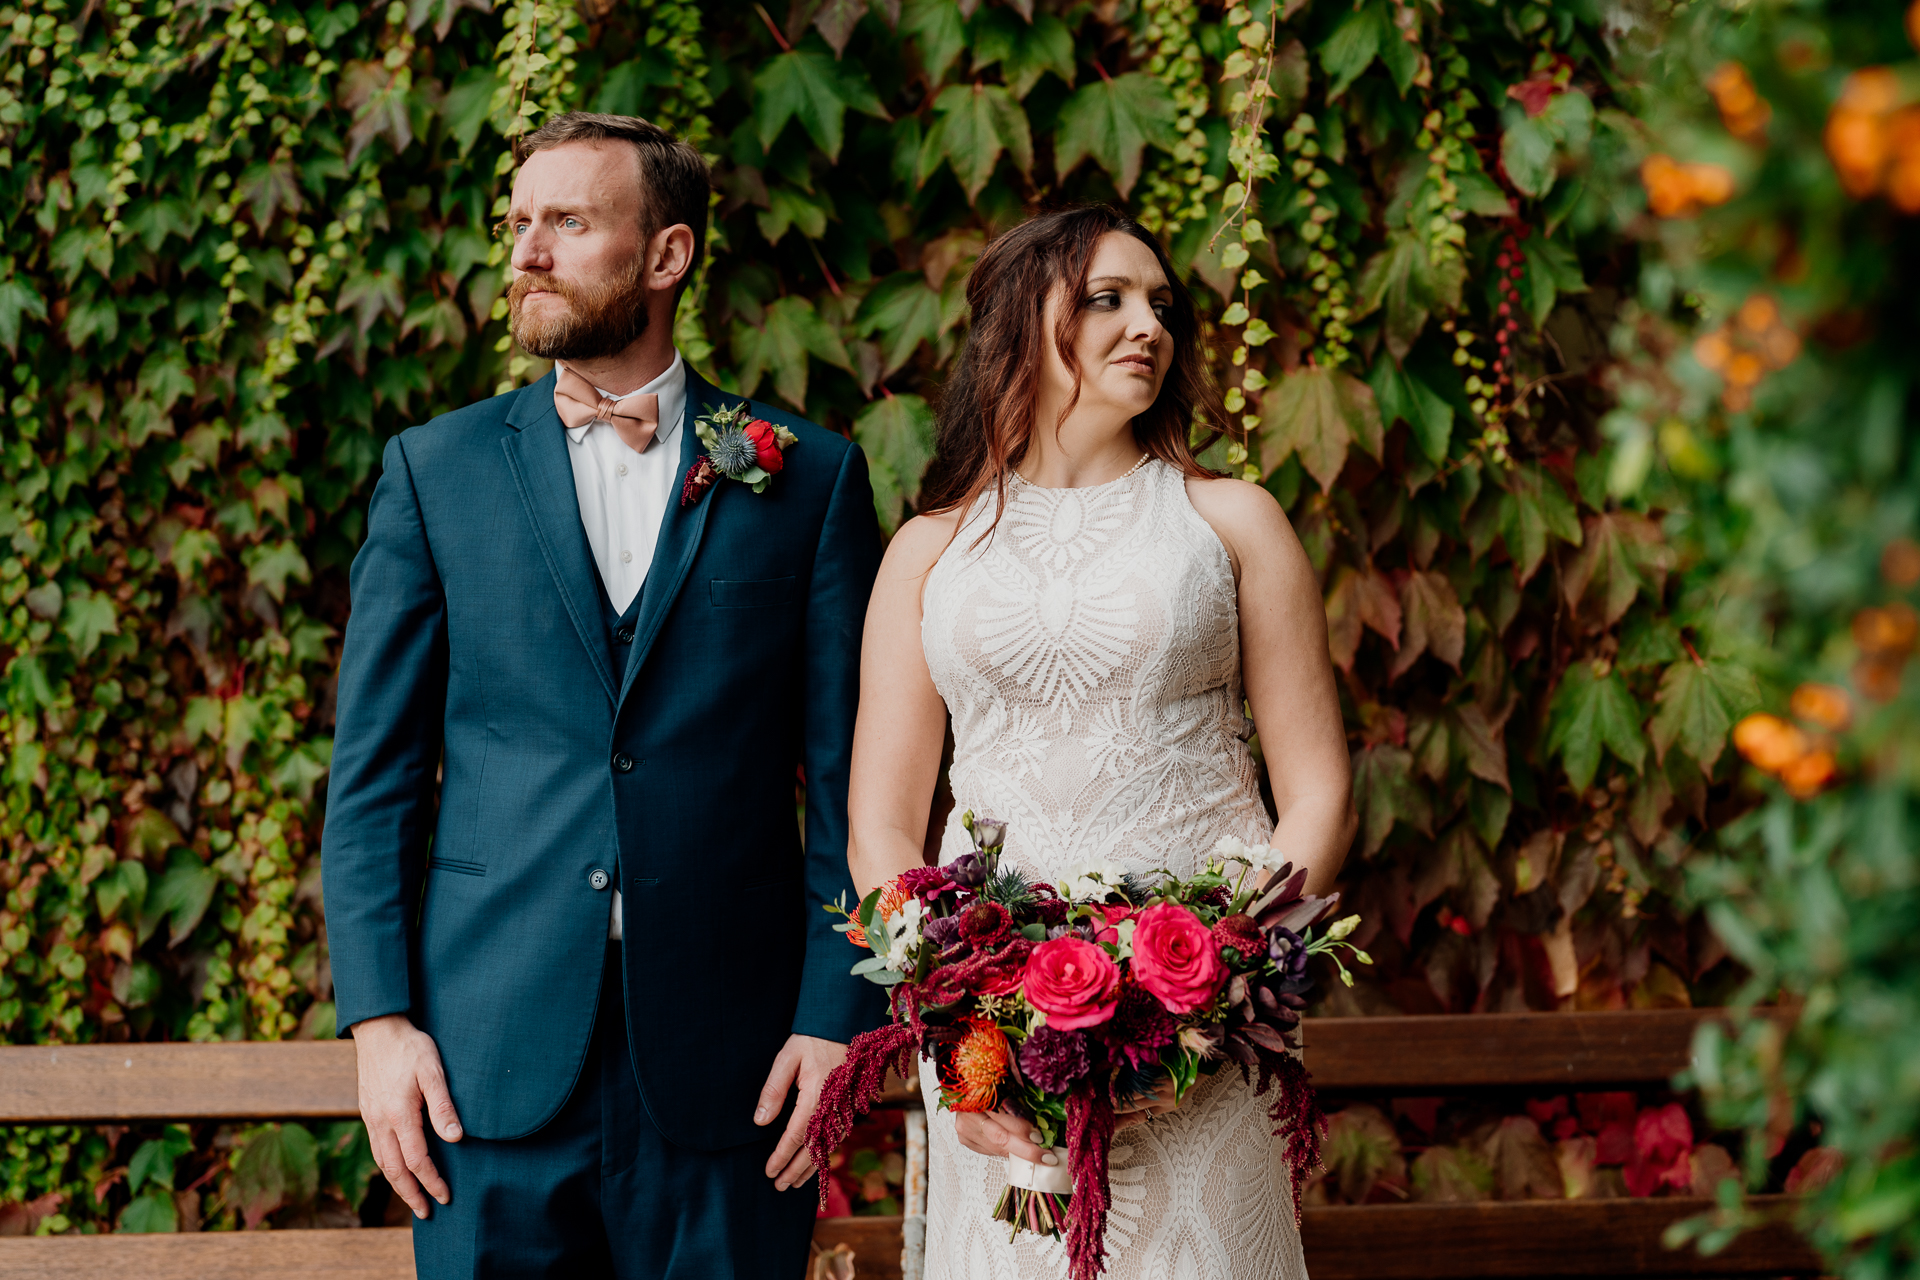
[247,243]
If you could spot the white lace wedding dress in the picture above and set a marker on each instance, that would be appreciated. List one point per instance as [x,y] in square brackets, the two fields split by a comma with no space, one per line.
[1089,653]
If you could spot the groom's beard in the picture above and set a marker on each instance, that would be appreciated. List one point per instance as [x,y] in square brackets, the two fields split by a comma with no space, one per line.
[599,320]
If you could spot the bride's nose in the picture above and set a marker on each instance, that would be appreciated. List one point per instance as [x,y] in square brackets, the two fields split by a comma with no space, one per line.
[1144,323]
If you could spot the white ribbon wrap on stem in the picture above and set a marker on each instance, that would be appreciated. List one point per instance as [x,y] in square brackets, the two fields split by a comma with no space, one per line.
[1028,1176]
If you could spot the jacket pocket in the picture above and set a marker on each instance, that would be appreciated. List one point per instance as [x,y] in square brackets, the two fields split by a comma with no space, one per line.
[457,866]
[758,593]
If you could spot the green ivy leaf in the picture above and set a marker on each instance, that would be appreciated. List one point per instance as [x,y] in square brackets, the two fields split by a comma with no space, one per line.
[1025,50]
[896,433]
[790,331]
[152,1213]
[939,29]
[1318,412]
[279,1166]
[125,885]
[1622,554]
[974,125]
[17,298]
[1590,712]
[1698,704]
[346,1161]
[468,104]
[816,90]
[1385,792]
[1405,279]
[1526,152]
[155,1159]
[270,565]
[1114,121]
[1351,48]
[790,207]
[1403,397]
[902,312]
[1552,269]
[87,617]
[180,897]
[1534,509]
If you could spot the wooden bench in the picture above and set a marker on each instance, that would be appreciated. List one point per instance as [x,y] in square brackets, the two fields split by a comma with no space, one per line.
[1407,1056]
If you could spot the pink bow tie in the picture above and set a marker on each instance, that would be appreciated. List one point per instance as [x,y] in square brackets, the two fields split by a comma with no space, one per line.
[579,403]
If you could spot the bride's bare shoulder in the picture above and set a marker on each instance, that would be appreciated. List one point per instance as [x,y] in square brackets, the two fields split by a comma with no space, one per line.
[918,544]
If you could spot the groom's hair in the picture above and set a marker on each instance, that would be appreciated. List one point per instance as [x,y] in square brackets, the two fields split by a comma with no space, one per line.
[675,183]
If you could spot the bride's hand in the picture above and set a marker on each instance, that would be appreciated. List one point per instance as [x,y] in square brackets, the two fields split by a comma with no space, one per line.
[1138,1108]
[995,1133]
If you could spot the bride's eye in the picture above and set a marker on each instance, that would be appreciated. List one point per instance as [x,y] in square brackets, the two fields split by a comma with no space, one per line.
[1105,300]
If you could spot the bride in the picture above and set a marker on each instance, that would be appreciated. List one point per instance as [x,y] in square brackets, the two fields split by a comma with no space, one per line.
[1096,612]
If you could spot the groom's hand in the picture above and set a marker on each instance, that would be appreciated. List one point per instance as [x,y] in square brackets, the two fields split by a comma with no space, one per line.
[399,1073]
[805,1062]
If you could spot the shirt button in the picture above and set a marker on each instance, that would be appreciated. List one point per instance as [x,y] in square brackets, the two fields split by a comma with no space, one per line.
[626,557]
[621,469]
[624,635]
[623,762]
[597,878]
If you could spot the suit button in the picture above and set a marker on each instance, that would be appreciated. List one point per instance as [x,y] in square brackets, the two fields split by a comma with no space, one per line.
[623,762]
[624,635]
[597,878]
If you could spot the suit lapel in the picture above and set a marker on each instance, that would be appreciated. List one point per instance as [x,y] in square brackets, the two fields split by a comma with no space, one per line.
[537,455]
[680,534]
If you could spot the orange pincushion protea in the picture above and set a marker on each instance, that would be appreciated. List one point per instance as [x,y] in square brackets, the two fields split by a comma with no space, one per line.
[893,897]
[972,1081]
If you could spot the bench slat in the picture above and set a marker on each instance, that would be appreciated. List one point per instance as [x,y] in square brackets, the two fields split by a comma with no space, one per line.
[1529,1238]
[378,1253]
[1583,1238]
[304,1079]
[1492,1050]
[314,1080]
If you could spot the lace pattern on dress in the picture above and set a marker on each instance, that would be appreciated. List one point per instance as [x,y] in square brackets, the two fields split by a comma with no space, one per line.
[1089,653]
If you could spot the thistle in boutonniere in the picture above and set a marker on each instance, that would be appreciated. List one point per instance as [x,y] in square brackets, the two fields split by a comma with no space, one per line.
[740,447]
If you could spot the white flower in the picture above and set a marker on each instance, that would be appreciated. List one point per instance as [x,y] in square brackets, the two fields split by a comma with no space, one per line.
[1091,880]
[903,934]
[1264,857]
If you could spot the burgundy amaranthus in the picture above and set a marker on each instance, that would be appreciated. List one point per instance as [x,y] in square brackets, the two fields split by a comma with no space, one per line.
[852,1088]
[1296,1114]
[1090,1122]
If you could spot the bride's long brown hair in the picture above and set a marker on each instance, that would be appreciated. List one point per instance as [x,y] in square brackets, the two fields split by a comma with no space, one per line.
[987,410]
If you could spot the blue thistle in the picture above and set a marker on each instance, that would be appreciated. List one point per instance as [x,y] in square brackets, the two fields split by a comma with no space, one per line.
[733,452]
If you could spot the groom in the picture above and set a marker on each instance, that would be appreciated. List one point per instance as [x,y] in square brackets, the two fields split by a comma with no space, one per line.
[570,910]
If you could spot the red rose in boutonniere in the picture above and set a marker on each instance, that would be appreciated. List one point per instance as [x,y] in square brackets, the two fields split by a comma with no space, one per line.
[739,447]
[767,443]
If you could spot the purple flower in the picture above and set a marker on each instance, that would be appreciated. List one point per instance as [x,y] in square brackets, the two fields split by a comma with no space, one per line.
[1289,956]
[970,870]
[942,931]
[1140,1027]
[1054,1059]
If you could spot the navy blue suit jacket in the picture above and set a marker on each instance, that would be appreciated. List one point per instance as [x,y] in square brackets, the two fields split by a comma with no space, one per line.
[476,651]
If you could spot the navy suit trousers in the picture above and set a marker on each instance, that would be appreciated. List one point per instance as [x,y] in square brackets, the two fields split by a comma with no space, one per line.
[599,1192]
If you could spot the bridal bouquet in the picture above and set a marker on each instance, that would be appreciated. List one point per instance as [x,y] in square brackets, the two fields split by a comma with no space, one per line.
[1055,1002]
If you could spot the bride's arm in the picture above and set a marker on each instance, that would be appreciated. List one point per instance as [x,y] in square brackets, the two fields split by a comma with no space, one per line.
[902,723]
[1288,676]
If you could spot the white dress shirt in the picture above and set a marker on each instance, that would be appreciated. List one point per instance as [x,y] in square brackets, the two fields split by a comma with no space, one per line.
[624,497]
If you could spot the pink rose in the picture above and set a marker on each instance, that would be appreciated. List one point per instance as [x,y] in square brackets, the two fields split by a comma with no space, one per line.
[1176,958]
[1073,982]
[1114,913]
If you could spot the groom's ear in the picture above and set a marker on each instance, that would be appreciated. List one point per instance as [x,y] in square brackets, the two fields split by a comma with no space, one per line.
[669,258]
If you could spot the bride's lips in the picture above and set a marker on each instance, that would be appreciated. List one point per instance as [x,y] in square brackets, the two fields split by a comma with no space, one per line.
[1138,364]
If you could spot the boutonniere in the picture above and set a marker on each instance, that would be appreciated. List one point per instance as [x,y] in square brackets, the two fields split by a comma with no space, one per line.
[740,447]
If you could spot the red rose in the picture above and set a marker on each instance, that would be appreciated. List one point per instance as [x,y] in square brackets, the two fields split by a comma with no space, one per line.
[1073,982]
[1176,958]
[767,445]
